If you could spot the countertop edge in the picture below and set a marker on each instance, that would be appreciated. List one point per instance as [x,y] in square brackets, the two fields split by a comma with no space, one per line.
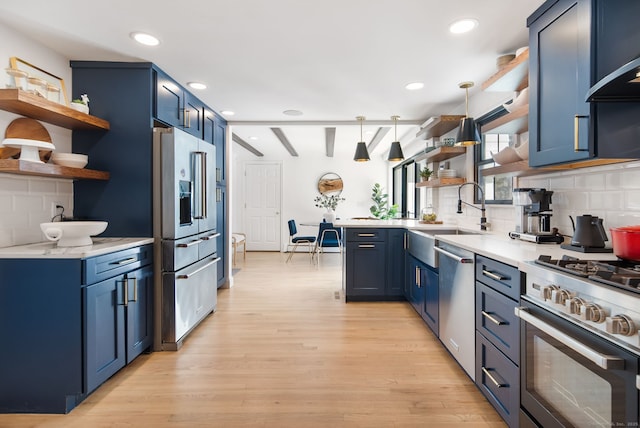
[48,250]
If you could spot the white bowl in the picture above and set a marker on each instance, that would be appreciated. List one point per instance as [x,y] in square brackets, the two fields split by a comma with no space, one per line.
[72,233]
[73,160]
[520,101]
[522,149]
[80,107]
[505,156]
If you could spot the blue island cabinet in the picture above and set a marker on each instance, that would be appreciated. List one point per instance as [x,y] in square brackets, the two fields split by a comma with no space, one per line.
[70,324]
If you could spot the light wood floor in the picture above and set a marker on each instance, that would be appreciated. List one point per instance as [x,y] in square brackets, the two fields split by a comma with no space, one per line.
[283,351]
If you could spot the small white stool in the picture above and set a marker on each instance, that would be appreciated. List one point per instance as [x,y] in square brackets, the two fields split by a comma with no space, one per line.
[238,239]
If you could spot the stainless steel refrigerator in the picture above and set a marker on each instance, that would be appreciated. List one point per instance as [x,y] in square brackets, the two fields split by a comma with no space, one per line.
[185,234]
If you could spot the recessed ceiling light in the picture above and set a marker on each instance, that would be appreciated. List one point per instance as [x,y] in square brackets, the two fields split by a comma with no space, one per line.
[253,138]
[227,112]
[414,86]
[197,85]
[463,25]
[145,39]
[292,112]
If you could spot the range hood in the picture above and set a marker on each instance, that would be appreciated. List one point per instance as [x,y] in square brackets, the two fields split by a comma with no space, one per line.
[622,84]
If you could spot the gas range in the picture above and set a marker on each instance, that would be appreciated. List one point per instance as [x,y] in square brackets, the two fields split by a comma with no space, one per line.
[600,296]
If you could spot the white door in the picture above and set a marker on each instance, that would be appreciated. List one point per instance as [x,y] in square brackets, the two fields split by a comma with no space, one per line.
[262,206]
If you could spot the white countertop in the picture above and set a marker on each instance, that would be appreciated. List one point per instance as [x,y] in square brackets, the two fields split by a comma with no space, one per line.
[497,246]
[49,250]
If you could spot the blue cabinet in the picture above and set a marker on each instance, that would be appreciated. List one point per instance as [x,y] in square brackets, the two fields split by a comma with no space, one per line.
[177,107]
[424,292]
[365,270]
[498,289]
[414,280]
[396,239]
[70,335]
[572,44]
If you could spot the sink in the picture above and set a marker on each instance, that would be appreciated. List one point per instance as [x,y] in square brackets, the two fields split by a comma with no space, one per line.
[455,232]
[72,233]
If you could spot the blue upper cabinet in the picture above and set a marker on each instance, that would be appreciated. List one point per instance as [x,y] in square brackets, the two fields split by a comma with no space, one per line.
[177,107]
[572,44]
[215,128]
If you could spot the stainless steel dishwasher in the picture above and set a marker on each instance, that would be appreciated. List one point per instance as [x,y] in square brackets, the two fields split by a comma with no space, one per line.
[457,304]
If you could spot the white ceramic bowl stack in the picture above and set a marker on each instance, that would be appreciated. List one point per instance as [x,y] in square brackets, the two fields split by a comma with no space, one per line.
[447,173]
[73,160]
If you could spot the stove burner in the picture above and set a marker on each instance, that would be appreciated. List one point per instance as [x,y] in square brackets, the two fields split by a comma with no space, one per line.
[616,273]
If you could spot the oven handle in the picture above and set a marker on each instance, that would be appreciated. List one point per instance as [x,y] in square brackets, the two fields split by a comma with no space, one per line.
[607,362]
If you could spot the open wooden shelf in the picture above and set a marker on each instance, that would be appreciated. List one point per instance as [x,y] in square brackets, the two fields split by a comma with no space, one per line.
[442,153]
[439,125]
[513,77]
[441,182]
[36,107]
[15,166]
[515,122]
[522,168]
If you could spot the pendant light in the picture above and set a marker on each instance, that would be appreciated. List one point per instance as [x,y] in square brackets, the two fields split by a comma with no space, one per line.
[395,153]
[362,154]
[468,134]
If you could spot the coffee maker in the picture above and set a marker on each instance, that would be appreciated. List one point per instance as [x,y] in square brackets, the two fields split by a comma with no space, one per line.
[533,217]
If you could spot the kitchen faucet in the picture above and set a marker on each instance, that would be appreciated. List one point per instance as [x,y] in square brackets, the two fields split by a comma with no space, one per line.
[483,218]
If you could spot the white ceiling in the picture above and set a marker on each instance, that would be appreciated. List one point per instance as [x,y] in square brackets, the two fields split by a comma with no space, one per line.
[331,59]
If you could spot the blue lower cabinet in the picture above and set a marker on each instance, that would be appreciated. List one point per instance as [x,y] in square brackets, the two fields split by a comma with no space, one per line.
[498,378]
[69,335]
[395,263]
[365,270]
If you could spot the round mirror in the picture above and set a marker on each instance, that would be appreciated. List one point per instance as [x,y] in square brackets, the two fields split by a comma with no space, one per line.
[330,184]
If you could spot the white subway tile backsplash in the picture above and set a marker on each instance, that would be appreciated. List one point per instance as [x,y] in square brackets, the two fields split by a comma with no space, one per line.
[11,185]
[42,186]
[612,200]
[590,181]
[561,182]
[632,201]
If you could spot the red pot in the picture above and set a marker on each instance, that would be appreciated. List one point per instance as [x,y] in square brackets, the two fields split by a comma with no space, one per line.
[626,242]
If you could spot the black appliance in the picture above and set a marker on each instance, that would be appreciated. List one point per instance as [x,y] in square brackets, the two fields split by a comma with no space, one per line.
[589,235]
[580,347]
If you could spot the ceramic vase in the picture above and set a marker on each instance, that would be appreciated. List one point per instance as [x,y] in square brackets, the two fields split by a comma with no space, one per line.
[329,216]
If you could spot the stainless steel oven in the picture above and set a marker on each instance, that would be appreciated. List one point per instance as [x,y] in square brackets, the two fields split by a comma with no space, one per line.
[579,352]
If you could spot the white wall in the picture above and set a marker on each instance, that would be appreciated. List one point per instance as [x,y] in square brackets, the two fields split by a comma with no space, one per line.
[25,201]
[300,186]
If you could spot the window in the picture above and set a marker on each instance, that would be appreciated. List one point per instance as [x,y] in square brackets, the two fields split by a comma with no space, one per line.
[497,189]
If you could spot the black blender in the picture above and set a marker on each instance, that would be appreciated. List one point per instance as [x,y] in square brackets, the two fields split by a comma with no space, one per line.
[533,216]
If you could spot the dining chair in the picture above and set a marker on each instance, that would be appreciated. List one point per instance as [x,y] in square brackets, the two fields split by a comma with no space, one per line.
[329,236]
[294,241]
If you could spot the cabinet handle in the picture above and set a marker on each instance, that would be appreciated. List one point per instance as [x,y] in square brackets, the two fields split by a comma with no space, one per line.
[576,133]
[125,261]
[493,275]
[366,235]
[418,276]
[493,319]
[366,246]
[190,244]
[492,379]
[126,292]
[186,118]
[404,241]
[135,289]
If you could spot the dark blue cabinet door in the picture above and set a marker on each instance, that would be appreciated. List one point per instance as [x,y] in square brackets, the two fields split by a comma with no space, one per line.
[559,78]
[416,292]
[104,333]
[139,311]
[395,262]
[193,121]
[429,282]
[365,269]
[169,101]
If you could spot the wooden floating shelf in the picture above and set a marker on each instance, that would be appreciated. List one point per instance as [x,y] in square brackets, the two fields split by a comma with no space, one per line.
[16,166]
[36,107]
[442,153]
[515,122]
[513,77]
[442,182]
[522,168]
[439,125]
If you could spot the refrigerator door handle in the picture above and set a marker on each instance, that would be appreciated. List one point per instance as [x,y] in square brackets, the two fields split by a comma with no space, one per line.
[200,187]
[203,184]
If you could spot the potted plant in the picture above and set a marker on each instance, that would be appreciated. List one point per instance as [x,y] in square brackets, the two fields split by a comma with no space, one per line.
[81,104]
[330,202]
[381,208]
[425,173]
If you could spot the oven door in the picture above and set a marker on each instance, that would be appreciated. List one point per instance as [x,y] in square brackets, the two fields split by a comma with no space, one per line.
[572,378]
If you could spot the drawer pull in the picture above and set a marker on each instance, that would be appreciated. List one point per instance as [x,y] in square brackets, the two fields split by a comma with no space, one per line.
[366,246]
[493,275]
[125,261]
[214,235]
[200,269]
[492,379]
[493,319]
[366,235]
[190,244]
[576,133]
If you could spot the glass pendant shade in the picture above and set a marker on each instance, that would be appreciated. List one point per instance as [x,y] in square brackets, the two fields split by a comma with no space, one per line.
[468,134]
[362,154]
[395,153]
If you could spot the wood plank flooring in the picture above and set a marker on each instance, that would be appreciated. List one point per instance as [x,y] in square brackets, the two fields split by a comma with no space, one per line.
[283,350]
